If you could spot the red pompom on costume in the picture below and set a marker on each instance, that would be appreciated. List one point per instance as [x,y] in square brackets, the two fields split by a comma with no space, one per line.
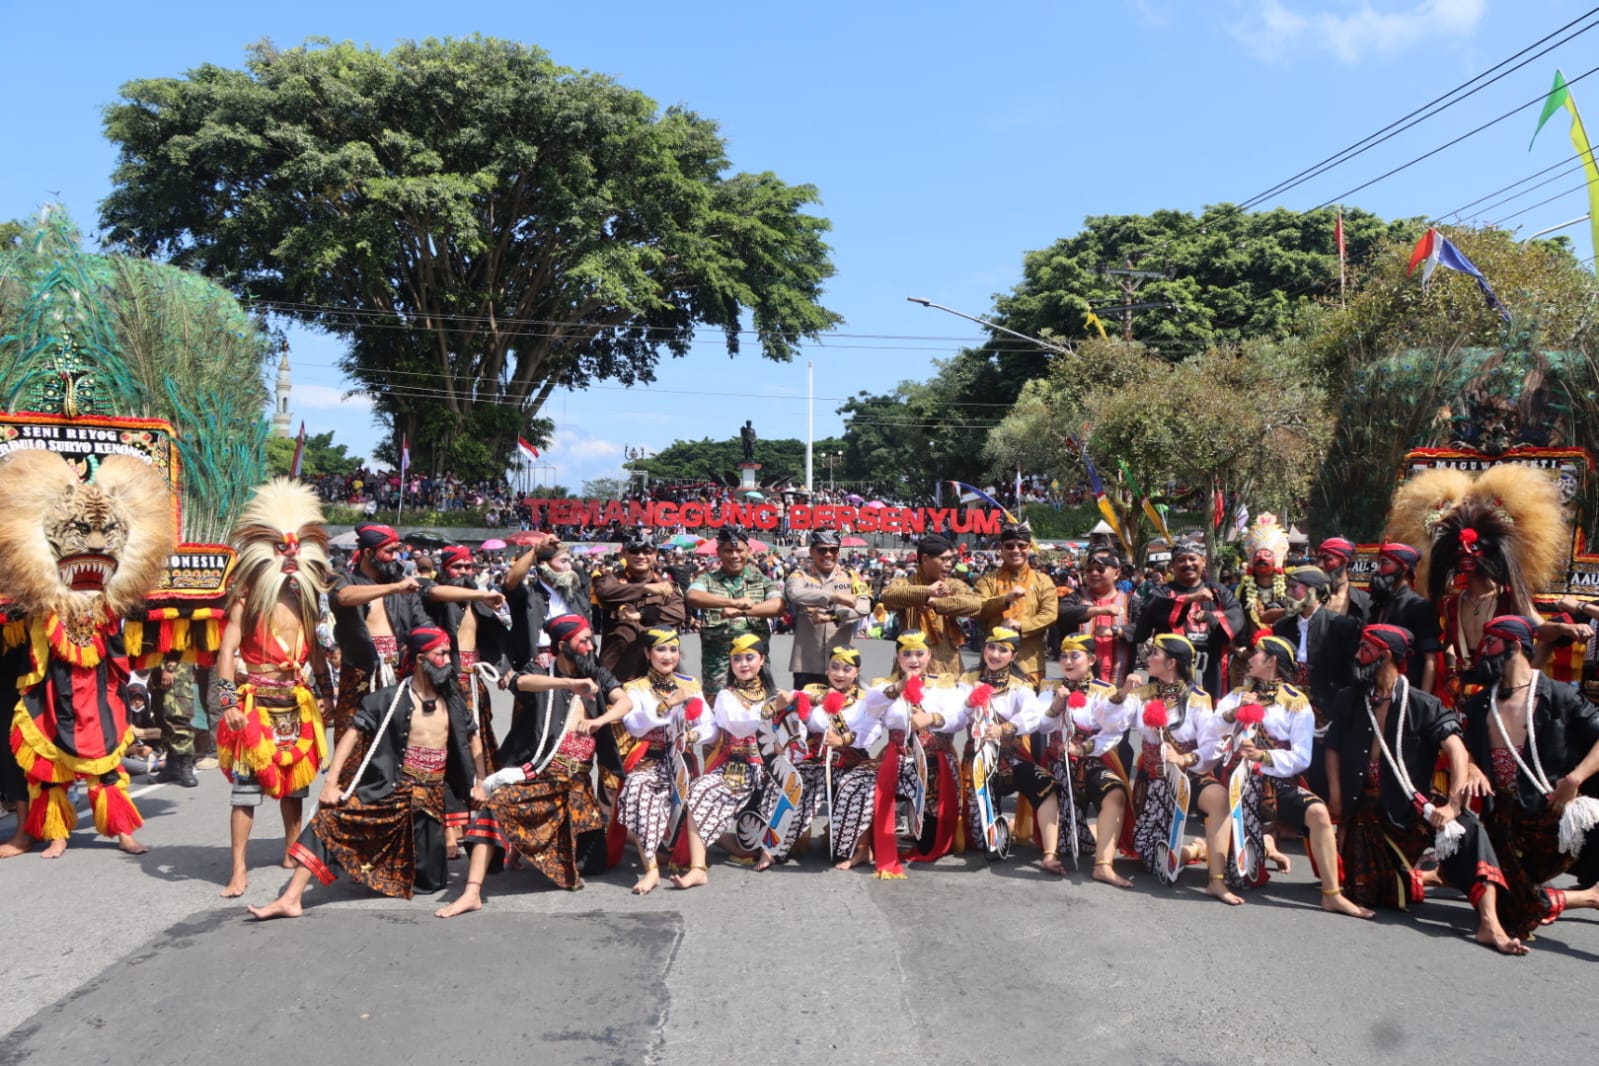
[1155,714]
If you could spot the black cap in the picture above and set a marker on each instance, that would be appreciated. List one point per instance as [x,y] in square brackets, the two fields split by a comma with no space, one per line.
[732,535]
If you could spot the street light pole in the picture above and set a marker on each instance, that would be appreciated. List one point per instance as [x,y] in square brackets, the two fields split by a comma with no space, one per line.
[986,324]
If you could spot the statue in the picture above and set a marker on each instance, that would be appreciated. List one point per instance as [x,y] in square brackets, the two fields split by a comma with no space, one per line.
[748,438]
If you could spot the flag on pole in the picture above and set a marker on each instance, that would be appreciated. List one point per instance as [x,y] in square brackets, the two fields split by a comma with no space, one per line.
[1092,321]
[529,452]
[1218,512]
[964,492]
[299,452]
[1018,486]
[1241,518]
[405,457]
[1104,502]
[1148,505]
[1435,250]
[1559,97]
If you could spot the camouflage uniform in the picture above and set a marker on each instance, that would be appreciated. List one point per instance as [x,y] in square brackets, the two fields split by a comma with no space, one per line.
[717,632]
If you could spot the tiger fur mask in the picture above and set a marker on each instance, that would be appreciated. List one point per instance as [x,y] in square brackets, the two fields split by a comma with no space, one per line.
[75,548]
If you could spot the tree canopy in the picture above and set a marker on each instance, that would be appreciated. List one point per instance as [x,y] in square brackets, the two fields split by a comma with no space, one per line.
[321,456]
[482,225]
[782,460]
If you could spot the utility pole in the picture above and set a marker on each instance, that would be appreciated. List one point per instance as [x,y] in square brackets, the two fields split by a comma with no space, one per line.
[1131,279]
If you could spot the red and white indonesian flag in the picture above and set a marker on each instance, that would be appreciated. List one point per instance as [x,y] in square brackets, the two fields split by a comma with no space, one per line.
[528,452]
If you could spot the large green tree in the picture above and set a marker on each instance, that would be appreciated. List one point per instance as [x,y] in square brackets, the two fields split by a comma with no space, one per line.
[481,224]
[1219,278]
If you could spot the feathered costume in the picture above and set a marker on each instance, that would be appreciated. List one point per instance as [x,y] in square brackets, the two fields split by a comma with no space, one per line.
[1506,524]
[78,556]
[284,741]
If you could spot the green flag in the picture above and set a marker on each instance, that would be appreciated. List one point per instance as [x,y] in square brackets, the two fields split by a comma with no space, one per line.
[1554,102]
[1560,97]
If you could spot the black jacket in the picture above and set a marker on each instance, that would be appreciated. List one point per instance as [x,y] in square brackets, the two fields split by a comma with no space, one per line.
[1330,645]
[1412,611]
[447,615]
[405,613]
[1566,727]
[1163,614]
[1427,725]
[528,726]
[388,753]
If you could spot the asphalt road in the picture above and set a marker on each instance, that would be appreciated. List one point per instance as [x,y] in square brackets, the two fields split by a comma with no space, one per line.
[112,958]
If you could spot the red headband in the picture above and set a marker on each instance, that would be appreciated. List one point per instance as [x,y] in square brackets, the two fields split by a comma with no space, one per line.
[455,553]
[1344,549]
[1395,639]
[373,535]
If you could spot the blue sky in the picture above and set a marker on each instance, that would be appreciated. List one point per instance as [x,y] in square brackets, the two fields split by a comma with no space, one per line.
[946,140]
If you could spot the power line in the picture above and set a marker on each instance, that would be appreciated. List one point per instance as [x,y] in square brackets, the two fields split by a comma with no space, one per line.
[1449,144]
[1400,125]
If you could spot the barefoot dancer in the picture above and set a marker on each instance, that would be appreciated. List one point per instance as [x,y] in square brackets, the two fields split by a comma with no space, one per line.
[659,700]
[1177,725]
[389,836]
[542,803]
[748,697]
[1282,750]
[272,741]
[77,556]
[1097,724]
[1384,742]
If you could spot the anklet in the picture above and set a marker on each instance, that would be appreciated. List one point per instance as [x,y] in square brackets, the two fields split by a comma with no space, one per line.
[699,866]
[1104,862]
[1218,877]
[650,864]
[1332,891]
[474,884]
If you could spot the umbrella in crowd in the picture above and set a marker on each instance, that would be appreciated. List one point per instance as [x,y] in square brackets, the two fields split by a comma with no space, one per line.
[591,549]
[875,504]
[753,495]
[346,540]
[853,542]
[855,498]
[525,538]
[427,538]
[493,544]
[683,540]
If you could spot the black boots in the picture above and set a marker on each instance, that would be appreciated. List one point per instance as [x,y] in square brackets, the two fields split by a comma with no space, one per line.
[179,770]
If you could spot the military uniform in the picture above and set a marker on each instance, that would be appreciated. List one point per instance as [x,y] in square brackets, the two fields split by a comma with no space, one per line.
[717,631]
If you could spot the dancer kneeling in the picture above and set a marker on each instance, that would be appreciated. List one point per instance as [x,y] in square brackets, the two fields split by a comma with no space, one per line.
[542,802]
[664,707]
[1003,710]
[1385,738]
[1274,742]
[1539,743]
[1086,725]
[849,771]
[747,698]
[1182,737]
[390,835]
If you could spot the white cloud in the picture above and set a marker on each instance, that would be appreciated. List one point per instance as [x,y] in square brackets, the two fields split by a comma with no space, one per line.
[1351,35]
